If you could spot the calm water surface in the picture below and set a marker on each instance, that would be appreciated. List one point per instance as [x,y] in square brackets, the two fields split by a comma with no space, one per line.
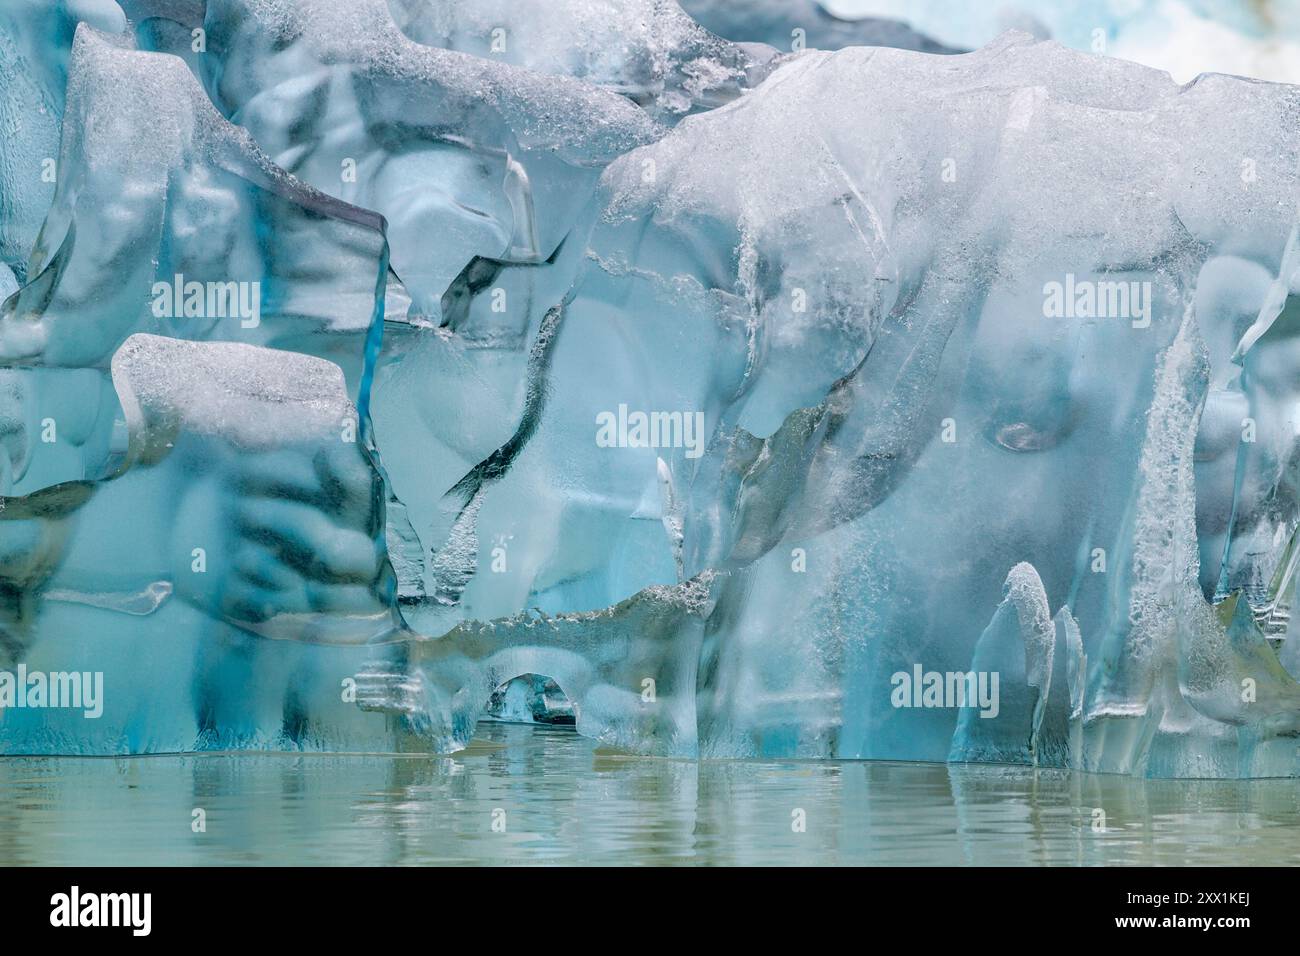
[564,801]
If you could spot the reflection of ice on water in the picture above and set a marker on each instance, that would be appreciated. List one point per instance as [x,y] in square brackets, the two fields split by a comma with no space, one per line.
[566,802]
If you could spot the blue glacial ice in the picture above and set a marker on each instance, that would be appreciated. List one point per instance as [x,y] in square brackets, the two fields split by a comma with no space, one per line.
[35,43]
[376,365]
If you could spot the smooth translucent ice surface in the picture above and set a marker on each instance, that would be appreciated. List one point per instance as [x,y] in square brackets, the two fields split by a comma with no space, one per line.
[35,43]
[491,158]
[168,220]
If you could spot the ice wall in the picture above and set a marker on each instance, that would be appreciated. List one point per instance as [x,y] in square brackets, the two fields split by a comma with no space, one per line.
[883,405]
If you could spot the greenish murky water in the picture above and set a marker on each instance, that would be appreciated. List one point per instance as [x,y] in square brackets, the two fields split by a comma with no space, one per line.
[560,801]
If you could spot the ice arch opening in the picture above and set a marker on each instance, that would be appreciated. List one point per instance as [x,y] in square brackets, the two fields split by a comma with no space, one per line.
[531,699]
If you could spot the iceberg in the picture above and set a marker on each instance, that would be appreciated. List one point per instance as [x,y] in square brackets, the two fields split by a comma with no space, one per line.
[870,403]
